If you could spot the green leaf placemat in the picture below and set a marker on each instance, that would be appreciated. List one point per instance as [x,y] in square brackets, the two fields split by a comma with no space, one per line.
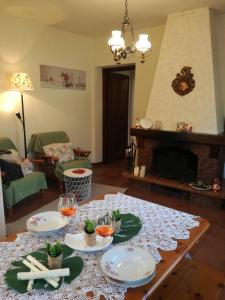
[75,264]
[130,226]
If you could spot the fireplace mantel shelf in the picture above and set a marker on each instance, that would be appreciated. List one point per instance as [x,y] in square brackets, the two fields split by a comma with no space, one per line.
[198,138]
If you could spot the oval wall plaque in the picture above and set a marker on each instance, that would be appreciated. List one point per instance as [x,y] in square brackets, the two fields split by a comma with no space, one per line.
[184,83]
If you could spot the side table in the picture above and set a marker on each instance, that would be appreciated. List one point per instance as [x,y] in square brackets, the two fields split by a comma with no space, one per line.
[78,183]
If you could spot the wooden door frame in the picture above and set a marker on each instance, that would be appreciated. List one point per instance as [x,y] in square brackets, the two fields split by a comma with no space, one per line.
[105,81]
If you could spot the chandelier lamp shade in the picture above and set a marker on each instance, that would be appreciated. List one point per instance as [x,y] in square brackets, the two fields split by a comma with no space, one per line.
[21,82]
[122,43]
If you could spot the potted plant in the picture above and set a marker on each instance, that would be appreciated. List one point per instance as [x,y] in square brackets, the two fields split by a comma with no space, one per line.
[55,255]
[89,233]
[117,217]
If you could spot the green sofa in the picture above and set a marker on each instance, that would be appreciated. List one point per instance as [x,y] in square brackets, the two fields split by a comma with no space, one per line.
[22,187]
[52,165]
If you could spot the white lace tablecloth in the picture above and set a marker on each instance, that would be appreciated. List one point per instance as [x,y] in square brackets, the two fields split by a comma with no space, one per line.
[161,226]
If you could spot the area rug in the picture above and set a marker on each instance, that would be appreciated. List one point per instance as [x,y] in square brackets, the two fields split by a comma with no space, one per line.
[96,190]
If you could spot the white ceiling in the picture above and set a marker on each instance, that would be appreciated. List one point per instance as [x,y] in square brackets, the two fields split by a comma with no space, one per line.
[98,17]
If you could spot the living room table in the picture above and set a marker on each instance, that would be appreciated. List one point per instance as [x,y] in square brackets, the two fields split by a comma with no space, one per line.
[168,234]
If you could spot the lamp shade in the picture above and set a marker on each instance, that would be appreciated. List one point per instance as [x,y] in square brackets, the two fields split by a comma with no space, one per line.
[116,42]
[21,82]
[143,44]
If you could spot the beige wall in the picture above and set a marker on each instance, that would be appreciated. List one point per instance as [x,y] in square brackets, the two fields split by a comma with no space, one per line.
[220,37]
[24,46]
[187,42]
[220,103]
[96,116]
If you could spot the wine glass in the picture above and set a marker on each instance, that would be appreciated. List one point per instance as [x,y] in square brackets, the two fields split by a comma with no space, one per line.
[67,204]
[105,225]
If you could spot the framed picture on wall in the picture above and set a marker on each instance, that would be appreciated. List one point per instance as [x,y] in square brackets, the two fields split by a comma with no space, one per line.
[62,78]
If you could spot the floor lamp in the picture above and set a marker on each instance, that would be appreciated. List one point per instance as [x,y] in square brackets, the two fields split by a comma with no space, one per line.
[21,82]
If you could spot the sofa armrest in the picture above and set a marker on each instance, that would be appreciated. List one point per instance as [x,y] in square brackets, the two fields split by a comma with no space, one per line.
[5,152]
[81,152]
[37,161]
[47,158]
[38,164]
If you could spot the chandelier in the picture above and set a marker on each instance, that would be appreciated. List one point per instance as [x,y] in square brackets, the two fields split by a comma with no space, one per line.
[122,42]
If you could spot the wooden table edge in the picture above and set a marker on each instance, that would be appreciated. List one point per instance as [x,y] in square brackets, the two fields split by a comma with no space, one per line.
[184,246]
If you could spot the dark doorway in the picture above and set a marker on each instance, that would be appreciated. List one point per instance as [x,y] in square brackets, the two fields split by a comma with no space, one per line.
[116,102]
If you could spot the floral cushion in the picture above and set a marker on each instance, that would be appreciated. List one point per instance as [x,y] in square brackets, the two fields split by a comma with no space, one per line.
[64,151]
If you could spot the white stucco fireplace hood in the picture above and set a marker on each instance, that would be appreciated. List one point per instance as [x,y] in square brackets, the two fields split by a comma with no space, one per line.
[188,40]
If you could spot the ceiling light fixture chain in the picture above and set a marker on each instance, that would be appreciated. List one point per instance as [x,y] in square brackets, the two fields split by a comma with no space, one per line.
[123,48]
[126,22]
[126,19]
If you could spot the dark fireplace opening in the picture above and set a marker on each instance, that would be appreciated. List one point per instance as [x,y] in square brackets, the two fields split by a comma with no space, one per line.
[175,163]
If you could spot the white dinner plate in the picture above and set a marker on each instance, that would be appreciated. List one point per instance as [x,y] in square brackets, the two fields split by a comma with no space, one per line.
[146,123]
[77,242]
[127,263]
[132,284]
[46,222]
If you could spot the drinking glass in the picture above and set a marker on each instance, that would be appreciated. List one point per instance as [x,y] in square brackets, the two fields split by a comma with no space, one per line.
[67,204]
[105,225]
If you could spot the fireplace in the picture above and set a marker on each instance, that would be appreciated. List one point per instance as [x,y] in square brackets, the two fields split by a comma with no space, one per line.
[197,156]
[174,163]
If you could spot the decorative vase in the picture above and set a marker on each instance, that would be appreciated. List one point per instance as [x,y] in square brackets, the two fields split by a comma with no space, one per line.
[216,185]
[90,239]
[158,125]
[55,262]
[188,127]
[118,226]
[181,127]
